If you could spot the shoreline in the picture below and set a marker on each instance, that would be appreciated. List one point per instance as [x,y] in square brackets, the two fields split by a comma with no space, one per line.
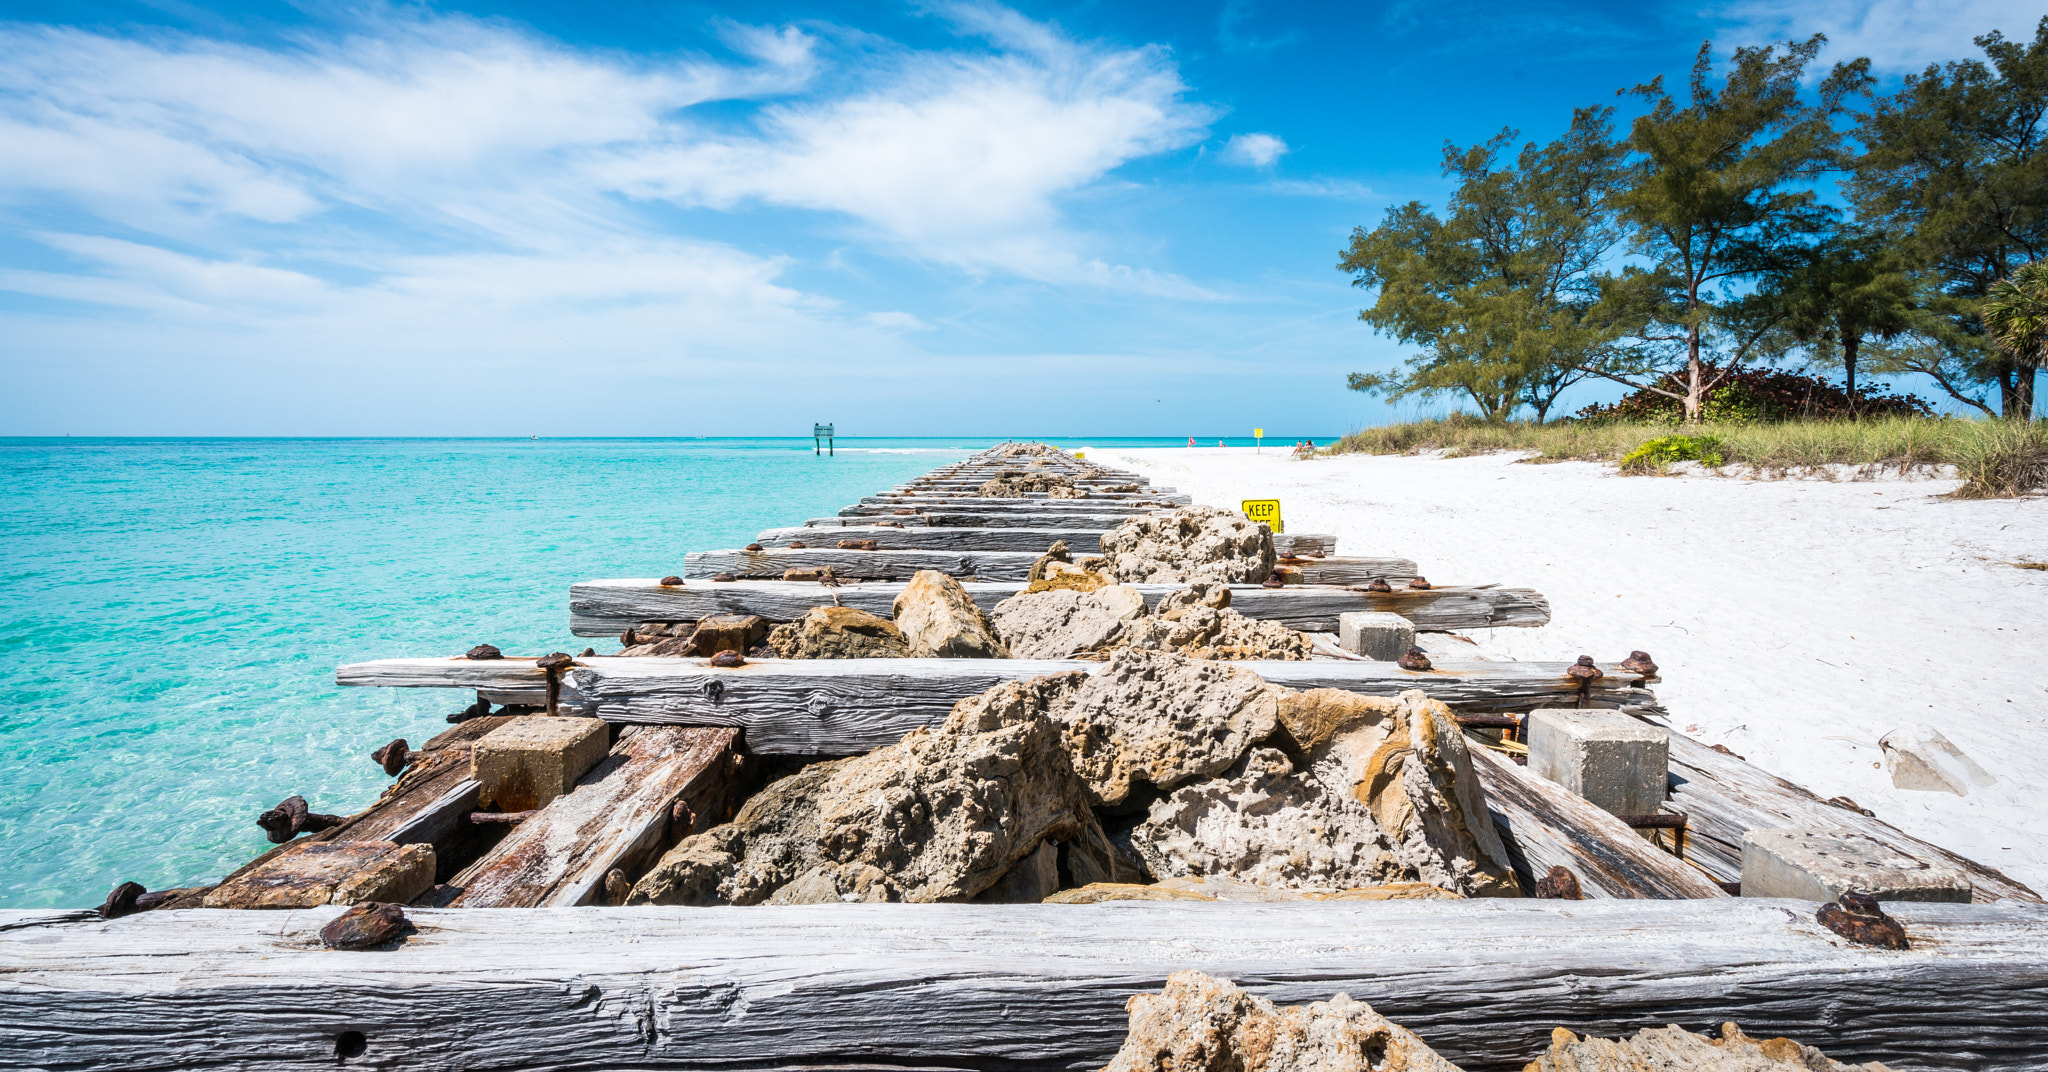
[1796,620]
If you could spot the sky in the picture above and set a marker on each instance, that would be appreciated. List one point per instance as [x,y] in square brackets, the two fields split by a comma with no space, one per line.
[642,218]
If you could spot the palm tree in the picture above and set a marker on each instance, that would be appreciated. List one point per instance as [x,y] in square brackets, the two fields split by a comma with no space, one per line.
[2016,317]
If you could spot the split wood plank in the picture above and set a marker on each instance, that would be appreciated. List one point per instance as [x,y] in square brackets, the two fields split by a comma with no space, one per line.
[618,816]
[424,806]
[771,563]
[947,498]
[1545,825]
[1723,796]
[988,987]
[925,537]
[607,607]
[848,706]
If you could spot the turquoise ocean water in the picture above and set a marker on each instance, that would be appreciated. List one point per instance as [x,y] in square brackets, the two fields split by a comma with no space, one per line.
[172,611]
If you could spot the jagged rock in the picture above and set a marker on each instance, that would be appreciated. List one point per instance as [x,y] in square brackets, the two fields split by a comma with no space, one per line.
[1192,543]
[1100,892]
[1058,552]
[1674,1049]
[939,620]
[1064,622]
[1203,1024]
[1033,879]
[1085,576]
[1162,719]
[838,633]
[1219,888]
[1380,793]
[1013,484]
[1204,632]
[942,814]
[1066,493]
[836,883]
[1028,450]
[1206,594]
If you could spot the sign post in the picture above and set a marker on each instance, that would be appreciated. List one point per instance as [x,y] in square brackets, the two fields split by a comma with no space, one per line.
[1258,440]
[1264,511]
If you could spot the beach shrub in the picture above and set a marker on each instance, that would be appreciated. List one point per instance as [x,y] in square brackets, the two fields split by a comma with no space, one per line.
[1755,395]
[1664,450]
[2005,460]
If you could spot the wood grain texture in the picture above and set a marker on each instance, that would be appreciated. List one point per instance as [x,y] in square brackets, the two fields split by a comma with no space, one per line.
[770,564]
[1723,796]
[845,706]
[617,816]
[1036,541]
[1006,988]
[1545,825]
[607,607]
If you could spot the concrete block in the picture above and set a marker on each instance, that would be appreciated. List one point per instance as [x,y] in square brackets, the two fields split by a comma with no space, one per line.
[1375,634]
[1820,865]
[1611,759]
[311,873]
[529,761]
[1919,757]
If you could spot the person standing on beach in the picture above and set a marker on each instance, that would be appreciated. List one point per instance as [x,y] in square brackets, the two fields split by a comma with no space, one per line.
[1191,441]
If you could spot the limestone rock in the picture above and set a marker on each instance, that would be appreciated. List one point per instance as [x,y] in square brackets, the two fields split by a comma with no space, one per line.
[1674,1049]
[1204,632]
[1162,719]
[1066,493]
[1100,892]
[939,620]
[1034,879]
[1203,1024]
[942,814]
[1014,484]
[1378,794]
[1058,552]
[1192,543]
[1063,623]
[838,633]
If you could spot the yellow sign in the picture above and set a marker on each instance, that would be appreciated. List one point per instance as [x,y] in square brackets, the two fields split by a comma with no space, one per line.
[1078,455]
[1258,433]
[1265,510]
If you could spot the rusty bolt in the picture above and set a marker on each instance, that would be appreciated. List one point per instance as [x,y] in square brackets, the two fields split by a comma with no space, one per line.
[796,545]
[291,818]
[856,545]
[1273,582]
[1379,584]
[890,524]
[616,887]
[587,653]
[671,581]
[1583,671]
[1851,805]
[681,818]
[1639,662]
[484,651]
[629,639]
[366,926]
[906,513]
[554,662]
[724,577]
[1418,583]
[728,658]
[1559,885]
[1413,659]
[753,547]
[393,757]
[121,902]
[1855,916]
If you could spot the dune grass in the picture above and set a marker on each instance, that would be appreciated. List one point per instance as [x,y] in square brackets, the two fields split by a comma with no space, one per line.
[1994,458]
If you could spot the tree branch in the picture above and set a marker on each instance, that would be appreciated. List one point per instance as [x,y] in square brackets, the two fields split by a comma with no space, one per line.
[1628,383]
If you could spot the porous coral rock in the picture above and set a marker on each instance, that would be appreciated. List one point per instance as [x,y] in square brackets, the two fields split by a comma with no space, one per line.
[1203,632]
[1378,793]
[1014,484]
[1192,543]
[941,815]
[1199,1023]
[1162,719]
[1674,1049]
[1062,623]
[939,620]
[838,633]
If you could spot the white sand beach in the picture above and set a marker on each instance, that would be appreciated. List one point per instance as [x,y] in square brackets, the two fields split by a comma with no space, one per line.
[1796,621]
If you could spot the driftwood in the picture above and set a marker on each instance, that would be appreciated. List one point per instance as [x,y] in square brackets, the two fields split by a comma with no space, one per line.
[1723,796]
[846,706]
[987,519]
[618,817]
[607,608]
[772,563]
[927,537]
[997,987]
[1545,825]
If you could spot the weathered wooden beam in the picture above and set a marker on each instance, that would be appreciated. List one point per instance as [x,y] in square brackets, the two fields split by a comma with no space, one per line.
[606,608]
[929,538]
[617,817]
[1004,988]
[1545,825]
[1723,796]
[942,497]
[845,706]
[771,563]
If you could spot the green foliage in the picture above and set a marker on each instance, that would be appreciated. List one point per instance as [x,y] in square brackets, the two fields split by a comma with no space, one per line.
[1751,395]
[1666,450]
[2010,461]
[1956,163]
[1851,286]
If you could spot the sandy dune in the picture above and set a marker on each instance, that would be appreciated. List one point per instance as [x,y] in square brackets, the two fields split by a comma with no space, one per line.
[1796,621]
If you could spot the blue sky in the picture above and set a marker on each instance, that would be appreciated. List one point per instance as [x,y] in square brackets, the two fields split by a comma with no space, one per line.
[690,219]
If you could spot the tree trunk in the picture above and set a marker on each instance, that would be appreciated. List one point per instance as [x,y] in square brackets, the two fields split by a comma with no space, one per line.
[1694,389]
[1850,344]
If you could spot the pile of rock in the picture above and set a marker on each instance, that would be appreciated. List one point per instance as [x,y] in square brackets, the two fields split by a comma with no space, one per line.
[1198,1023]
[1156,767]
[1190,544]
[934,618]
[1076,612]
[1014,483]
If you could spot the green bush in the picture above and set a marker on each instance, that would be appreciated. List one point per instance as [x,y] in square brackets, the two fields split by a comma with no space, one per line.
[2009,460]
[1754,395]
[1664,450]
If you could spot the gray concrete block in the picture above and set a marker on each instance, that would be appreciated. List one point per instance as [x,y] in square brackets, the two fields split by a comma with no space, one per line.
[1375,634]
[1614,761]
[1820,865]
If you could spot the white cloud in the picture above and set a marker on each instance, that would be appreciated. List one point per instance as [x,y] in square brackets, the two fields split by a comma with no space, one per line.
[897,321]
[1899,36]
[1254,150]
